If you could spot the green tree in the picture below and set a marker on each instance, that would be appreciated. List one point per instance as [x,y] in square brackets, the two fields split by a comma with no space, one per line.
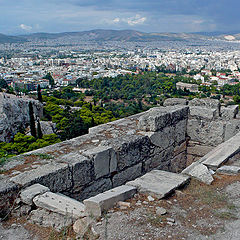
[3,84]
[39,94]
[50,79]
[32,121]
[39,130]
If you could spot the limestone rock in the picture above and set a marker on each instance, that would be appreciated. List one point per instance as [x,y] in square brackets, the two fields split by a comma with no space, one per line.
[229,170]
[229,112]
[161,211]
[29,193]
[14,112]
[174,101]
[60,204]
[82,225]
[200,172]
[159,183]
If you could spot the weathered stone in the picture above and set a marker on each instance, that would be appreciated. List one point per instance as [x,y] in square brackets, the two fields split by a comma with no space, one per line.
[161,211]
[96,187]
[203,113]
[205,132]
[60,204]
[206,102]
[178,163]
[102,202]
[14,113]
[231,129]
[222,153]
[156,119]
[174,101]
[45,218]
[29,193]
[57,177]
[127,174]
[82,168]
[159,183]
[200,172]
[105,160]
[124,204]
[130,150]
[180,148]
[229,170]
[229,112]
[180,130]
[82,225]
[199,150]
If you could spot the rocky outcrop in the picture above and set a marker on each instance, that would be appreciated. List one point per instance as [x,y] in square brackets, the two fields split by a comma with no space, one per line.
[14,114]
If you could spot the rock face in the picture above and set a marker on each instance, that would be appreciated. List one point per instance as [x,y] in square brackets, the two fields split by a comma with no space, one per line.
[14,114]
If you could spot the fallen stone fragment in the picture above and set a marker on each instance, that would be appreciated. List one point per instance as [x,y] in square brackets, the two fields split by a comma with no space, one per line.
[29,193]
[82,225]
[171,220]
[150,199]
[229,170]
[60,204]
[200,172]
[161,211]
[124,204]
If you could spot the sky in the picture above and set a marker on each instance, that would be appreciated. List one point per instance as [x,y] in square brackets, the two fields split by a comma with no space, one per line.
[28,16]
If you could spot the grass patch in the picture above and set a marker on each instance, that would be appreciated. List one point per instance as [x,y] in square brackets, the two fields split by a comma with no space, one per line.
[42,155]
[226,215]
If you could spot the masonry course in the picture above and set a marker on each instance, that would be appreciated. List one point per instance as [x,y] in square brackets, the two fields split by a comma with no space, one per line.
[120,151]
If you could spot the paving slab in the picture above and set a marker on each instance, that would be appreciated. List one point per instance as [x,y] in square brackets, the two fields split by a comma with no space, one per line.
[29,193]
[60,204]
[96,205]
[229,170]
[159,183]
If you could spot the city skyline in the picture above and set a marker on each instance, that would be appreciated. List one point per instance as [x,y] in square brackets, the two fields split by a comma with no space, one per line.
[149,16]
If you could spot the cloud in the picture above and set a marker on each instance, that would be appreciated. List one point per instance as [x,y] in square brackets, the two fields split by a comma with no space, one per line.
[25,27]
[136,20]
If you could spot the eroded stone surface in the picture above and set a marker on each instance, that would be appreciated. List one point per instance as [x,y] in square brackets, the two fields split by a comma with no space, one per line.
[60,204]
[159,183]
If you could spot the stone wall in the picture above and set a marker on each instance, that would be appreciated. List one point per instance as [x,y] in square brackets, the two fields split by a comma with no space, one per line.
[165,138]
[209,125]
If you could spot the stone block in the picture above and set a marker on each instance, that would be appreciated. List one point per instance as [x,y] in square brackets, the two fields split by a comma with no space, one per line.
[206,102]
[93,189]
[159,183]
[200,172]
[180,130]
[104,159]
[205,132]
[229,170]
[29,193]
[178,163]
[127,174]
[231,129]
[203,113]
[174,101]
[82,168]
[199,150]
[229,112]
[96,205]
[180,148]
[60,204]
[131,150]
[56,176]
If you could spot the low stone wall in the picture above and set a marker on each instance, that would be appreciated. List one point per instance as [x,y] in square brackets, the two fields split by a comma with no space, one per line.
[109,156]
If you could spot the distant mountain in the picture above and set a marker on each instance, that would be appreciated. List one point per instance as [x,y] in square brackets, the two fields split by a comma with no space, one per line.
[120,35]
[10,39]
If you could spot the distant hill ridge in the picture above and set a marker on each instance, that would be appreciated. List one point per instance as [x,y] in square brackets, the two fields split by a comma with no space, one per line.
[120,35]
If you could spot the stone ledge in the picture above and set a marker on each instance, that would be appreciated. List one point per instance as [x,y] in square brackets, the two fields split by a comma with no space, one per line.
[102,202]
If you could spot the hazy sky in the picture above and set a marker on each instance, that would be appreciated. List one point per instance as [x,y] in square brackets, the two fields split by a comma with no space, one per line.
[26,16]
